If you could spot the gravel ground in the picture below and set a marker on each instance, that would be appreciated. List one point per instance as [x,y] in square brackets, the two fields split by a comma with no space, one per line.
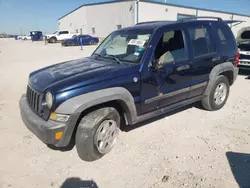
[188,148]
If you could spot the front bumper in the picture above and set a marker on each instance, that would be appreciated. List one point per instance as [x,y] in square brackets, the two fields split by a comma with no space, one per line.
[46,130]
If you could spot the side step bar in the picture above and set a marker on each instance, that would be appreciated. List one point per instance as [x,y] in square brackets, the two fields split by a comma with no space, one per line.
[166,109]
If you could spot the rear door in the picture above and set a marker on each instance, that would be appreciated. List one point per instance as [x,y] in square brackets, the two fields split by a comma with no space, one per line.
[204,55]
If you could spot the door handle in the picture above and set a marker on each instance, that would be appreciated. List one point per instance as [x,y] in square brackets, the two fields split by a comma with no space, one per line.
[183,67]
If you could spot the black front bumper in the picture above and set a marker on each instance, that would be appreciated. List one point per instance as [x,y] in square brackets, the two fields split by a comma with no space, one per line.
[46,130]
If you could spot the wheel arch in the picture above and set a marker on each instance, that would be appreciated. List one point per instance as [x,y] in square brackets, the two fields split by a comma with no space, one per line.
[226,69]
[118,97]
[229,75]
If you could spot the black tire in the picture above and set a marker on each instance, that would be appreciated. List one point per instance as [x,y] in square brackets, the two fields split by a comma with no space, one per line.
[86,132]
[53,40]
[71,44]
[25,38]
[208,101]
[92,42]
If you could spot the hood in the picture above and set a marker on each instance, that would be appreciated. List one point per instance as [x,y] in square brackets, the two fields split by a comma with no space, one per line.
[65,75]
[50,35]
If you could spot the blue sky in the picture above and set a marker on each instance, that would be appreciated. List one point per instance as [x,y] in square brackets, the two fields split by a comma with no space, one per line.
[27,15]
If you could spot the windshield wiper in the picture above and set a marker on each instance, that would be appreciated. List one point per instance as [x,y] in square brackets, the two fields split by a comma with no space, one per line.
[97,55]
[116,58]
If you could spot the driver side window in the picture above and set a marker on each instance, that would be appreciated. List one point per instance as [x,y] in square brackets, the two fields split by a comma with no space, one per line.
[170,48]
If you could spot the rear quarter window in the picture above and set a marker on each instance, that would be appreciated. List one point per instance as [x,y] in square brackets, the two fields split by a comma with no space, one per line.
[226,39]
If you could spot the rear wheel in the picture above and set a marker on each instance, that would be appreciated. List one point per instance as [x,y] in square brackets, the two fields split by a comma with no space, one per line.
[218,94]
[71,44]
[92,42]
[97,133]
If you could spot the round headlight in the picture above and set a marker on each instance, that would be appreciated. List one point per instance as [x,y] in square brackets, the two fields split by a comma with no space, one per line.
[49,99]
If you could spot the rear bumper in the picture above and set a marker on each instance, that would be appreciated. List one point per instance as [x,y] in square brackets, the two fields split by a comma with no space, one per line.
[244,67]
[46,130]
[236,72]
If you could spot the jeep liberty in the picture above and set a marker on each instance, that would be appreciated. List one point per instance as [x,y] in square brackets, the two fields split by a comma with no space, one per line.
[135,74]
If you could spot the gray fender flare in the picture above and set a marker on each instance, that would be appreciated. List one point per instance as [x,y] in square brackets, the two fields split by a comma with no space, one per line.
[217,70]
[82,102]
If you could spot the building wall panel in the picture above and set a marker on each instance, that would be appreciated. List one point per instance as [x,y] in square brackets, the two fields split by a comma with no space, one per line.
[105,18]
[152,12]
[74,21]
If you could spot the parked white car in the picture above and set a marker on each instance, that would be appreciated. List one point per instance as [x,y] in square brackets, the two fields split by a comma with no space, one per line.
[59,36]
[26,37]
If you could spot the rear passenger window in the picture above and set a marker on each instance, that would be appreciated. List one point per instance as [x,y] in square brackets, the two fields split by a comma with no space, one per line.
[226,42]
[201,41]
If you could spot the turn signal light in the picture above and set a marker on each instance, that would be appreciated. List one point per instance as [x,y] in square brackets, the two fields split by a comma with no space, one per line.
[58,135]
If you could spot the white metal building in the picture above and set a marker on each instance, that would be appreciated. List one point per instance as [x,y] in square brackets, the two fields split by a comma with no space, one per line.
[100,19]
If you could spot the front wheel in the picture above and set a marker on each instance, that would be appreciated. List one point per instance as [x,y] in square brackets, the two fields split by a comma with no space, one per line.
[53,40]
[97,133]
[218,95]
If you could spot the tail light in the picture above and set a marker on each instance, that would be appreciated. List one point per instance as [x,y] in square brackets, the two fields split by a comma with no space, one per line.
[237,61]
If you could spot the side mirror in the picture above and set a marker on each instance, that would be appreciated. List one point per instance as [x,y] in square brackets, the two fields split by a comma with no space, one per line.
[153,64]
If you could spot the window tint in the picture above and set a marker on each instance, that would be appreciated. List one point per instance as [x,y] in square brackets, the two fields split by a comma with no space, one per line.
[245,35]
[201,41]
[221,35]
[170,48]
[63,32]
[225,40]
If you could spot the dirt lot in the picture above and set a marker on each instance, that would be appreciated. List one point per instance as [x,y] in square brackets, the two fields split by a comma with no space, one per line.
[189,148]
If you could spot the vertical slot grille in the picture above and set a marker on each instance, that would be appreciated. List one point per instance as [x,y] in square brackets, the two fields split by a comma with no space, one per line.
[33,99]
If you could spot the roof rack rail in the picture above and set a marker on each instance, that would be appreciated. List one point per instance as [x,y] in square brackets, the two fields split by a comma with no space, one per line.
[157,21]
[198,17]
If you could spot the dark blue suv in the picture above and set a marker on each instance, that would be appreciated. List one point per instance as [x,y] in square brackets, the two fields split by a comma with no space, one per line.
[135,74]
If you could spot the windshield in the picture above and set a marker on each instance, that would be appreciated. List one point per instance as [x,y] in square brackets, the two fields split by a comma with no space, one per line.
[125,45]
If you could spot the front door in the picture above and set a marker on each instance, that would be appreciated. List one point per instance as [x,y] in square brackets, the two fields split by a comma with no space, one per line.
[170,76]
[63,35]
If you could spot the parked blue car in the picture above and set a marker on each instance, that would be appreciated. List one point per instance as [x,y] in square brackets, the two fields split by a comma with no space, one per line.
[75,41]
